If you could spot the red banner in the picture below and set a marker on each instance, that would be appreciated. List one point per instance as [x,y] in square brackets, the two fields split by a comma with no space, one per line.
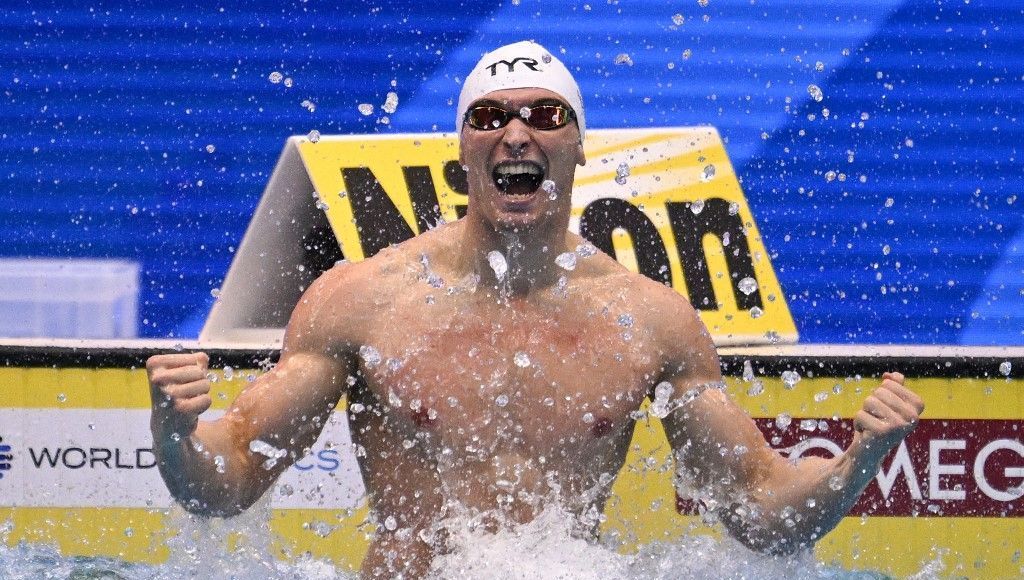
[945,468]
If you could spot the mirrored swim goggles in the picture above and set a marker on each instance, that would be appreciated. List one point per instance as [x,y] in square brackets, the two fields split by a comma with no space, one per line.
[543,117]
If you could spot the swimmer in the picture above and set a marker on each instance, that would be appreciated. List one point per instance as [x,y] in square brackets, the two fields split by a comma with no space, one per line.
[481,373]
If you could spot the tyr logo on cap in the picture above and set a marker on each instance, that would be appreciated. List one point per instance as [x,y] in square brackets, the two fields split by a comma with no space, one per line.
[530,63]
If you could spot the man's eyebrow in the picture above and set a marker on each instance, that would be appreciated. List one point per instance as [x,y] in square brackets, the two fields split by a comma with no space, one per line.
[550,101]
[486,103]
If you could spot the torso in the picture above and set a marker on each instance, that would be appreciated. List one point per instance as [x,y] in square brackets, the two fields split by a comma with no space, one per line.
[500,404]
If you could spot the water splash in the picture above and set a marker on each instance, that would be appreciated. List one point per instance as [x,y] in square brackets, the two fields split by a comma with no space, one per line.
[496,260]
[566,261]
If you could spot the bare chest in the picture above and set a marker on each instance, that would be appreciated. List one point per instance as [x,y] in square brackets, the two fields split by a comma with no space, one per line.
[523,382]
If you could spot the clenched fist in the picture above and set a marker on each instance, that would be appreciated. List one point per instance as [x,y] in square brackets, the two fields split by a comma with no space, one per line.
[889,414]
[180,392]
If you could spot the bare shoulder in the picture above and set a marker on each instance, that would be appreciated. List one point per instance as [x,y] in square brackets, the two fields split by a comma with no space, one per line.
[678,335]
[340,305]
[657,306]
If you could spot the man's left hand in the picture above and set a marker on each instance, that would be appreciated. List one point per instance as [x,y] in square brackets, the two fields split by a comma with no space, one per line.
[889,414]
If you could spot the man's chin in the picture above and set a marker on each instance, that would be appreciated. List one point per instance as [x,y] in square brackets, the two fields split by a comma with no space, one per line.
[514,222]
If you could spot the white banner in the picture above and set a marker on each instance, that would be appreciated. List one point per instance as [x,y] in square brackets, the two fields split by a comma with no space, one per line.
[104,458]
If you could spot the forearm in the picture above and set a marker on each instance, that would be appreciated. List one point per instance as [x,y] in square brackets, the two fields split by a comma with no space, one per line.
[802,501]
[204,471]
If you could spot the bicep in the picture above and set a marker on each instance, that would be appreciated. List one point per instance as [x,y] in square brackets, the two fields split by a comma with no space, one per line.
[287,407]
[718,444]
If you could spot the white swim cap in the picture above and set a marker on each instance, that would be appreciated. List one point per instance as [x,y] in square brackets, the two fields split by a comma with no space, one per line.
[521,65]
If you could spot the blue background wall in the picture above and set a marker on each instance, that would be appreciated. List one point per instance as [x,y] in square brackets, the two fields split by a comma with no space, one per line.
[148,132]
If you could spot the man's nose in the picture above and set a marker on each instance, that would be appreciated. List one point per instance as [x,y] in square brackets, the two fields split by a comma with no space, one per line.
[517,137]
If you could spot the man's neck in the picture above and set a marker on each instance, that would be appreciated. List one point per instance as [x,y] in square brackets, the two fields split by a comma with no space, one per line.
[516,263]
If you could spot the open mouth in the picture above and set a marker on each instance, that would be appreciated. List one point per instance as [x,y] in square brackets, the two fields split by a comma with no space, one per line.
[518,178]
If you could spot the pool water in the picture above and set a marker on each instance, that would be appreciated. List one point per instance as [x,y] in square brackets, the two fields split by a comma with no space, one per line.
[542,549]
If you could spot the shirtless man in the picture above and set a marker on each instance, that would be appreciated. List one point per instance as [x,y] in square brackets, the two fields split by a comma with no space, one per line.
[480,375]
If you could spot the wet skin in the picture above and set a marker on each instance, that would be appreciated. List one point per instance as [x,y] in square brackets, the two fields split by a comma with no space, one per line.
[448,420]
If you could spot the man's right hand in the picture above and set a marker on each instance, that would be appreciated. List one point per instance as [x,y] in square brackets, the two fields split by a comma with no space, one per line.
[180,392]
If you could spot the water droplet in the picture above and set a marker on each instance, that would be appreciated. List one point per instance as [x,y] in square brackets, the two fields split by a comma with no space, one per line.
[521,359]
[525,113]
[830,176]
[662,399]
[625,320]
[546,58]
[175,437]
[747,285]
[734,208]
[687,54]
[623,58]
[588,418]
[621,173]
[566,261]
[756,312]
[677,19]
[748,371]
[390,523]
[370,355]
[835,483]
[321,529]
[549,402]
[309,105]
[756,388]
[703,3]
[1005,367]
[550,187]
[219,462]
[808,425]
[62,398]
[819,397]
[210,148]
[697,206]
[708,173]
[819,66]
[288,82]
[314,136]
[790,378]
[586,249]
[783,420]
[356,408]
[390,103]
[366,109]
[129,532]
[497,262]
[815,92]
[275,77]
[886,249]
[229,373]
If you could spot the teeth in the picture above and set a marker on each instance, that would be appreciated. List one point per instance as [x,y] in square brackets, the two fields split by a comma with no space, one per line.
[518,168]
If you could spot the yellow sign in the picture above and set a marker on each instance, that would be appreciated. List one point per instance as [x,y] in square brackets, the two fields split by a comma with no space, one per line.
[665,202]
